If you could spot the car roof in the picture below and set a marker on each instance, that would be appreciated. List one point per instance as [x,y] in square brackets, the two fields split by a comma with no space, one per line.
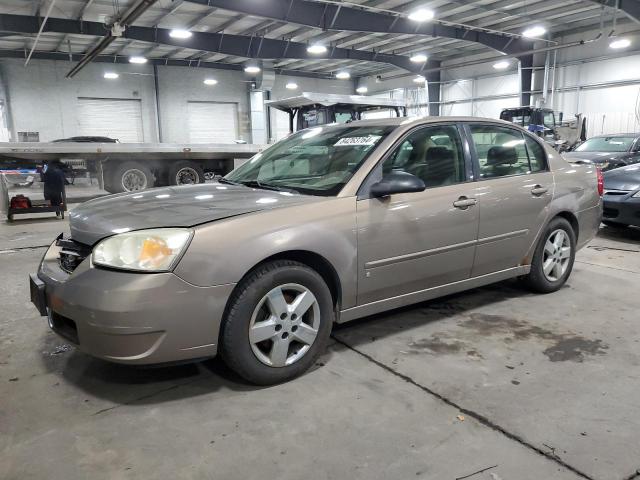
[616,135]
[403,121]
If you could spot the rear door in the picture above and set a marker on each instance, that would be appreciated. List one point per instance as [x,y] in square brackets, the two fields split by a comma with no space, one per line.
[514,189]
[413,241]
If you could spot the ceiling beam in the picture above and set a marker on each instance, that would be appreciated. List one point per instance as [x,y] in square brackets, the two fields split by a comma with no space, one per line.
[631,8]
[327,16]
[236,45]
[171,62]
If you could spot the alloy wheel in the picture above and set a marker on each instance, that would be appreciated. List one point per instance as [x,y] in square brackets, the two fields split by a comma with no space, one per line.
[284,325]
[556,255]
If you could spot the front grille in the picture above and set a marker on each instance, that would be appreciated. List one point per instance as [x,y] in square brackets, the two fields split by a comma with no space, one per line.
[72,253]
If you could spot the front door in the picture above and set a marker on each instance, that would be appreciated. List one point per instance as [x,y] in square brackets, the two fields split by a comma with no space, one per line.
[514,189]
[414,241]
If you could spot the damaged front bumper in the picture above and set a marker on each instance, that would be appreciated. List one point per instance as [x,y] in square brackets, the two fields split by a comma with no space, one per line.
[126,317]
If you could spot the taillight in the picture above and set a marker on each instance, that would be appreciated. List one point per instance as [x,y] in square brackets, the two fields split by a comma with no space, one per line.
[600,182]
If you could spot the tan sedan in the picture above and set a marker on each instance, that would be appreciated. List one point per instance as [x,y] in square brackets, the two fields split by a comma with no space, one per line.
[331,224]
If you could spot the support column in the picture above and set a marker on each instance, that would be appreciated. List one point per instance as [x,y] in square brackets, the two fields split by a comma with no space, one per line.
[433,91]
[526,72]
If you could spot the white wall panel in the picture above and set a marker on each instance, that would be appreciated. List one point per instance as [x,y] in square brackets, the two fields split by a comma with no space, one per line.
[279,124]
[501,85]
[463,109]
[492,108]
[456,91]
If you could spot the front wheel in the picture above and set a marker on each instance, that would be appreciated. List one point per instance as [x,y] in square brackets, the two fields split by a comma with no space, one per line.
[278,322]
[553,258]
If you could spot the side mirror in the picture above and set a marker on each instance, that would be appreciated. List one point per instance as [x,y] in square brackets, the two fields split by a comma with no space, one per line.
[397,182]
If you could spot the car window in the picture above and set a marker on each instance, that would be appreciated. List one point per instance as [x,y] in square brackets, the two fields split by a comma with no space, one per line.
[501,151]
[433,154]
[549,120]
[537,157]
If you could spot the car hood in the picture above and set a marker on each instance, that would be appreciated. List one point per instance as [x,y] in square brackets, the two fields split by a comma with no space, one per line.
[184,206]
[595,157]
[624,178]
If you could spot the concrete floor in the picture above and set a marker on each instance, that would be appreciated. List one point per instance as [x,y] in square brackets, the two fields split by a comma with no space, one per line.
[525,386]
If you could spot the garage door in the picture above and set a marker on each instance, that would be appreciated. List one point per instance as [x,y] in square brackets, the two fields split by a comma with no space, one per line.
[110,117]
[212,122]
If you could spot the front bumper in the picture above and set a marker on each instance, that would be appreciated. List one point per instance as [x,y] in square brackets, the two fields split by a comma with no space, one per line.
[622,209]
[134,318]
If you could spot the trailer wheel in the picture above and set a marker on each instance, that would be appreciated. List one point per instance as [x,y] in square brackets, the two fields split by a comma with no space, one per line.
[185,173]
[130,177]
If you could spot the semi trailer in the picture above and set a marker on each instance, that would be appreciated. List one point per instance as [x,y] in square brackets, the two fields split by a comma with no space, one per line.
[125,167]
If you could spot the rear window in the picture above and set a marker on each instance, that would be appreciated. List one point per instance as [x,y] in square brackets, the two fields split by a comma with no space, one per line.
[606,144]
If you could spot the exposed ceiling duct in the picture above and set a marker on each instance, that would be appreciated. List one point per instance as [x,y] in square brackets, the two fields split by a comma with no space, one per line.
[116,30]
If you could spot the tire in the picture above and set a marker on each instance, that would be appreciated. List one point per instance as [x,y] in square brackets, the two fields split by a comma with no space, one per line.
[611,224]
[249,308]
[130,177]
[185,173]
[551,281]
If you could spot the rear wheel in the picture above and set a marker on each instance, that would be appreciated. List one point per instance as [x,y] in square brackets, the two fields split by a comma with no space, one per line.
[185,173]
[611,224]
[553,258]
[278,322]
[131,177]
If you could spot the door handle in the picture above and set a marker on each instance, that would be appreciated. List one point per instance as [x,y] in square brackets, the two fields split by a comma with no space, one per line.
[539,190]
[463,202]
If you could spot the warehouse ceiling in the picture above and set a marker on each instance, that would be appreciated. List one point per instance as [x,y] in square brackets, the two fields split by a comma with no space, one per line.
[229,32]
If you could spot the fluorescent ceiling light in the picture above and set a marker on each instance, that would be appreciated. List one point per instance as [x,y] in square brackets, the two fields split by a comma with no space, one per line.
[252,69]
[291,85]
[316,48]
[137,60]
[418,58]
[362,89]
[501,65]
[210,81]
[419,79]
[618,43]
[421,15]
[343,75]
[111,75]
[533,32]
[178,33]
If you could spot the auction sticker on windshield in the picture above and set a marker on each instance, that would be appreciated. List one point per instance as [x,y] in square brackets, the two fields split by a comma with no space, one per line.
[351,141]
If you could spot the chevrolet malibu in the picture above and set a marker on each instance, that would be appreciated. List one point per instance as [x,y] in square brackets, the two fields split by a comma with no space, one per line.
[331,224]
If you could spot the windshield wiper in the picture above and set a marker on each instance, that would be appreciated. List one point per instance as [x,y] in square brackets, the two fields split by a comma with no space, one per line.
[266,186]
[228,182]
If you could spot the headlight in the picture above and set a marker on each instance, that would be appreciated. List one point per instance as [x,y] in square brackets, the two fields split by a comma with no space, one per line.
[603,165]
[636,195]
[145,250]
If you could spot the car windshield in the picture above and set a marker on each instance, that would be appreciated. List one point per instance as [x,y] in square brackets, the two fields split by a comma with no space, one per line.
[606,144]
[316,161]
